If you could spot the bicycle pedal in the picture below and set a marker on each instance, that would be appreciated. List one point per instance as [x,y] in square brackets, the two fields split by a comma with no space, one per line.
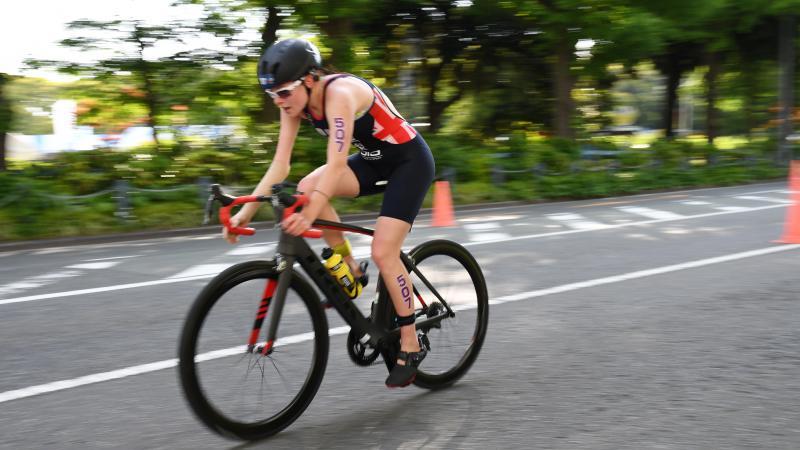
[424,342]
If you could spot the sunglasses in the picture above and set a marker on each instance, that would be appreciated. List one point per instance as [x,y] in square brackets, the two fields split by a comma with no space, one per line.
[285,92]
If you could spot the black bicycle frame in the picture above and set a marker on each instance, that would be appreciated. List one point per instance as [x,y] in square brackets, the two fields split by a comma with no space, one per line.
[293,249]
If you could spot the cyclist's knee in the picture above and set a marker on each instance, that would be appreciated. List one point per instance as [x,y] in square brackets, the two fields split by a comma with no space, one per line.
[307,183]
[384,254]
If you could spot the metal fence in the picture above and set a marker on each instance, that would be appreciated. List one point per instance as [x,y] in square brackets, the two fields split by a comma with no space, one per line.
[123,192]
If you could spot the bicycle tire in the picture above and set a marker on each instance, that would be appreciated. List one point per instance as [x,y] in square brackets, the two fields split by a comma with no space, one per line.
[442,254]
[210,410]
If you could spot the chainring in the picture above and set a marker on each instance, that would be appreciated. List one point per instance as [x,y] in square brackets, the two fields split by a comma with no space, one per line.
[360,354]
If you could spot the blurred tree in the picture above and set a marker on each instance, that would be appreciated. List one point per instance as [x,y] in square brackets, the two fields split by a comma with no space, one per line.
[755,52]
[730,18]
[787,56]
[437,40]
[130,42]
[274,14]
[106,104]
[605,30]
[5,118]
[617,56]
[686,26]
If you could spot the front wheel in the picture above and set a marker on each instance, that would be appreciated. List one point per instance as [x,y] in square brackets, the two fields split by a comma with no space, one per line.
[233,387]
[455,341]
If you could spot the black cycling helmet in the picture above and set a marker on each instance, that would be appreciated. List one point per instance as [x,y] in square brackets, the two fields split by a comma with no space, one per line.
[287,60]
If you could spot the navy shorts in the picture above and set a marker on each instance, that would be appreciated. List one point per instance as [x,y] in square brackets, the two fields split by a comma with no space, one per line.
[403,172]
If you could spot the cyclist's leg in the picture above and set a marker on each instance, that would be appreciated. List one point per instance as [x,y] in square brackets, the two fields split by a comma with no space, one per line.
[403,197]
[347,186]
[386,246]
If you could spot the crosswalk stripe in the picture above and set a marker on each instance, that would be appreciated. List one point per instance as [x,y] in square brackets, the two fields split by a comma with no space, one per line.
[762,199]
[202,269]
[480,237]
[649,212]
[251,250]
[482,226]
[94,265]
[576,221]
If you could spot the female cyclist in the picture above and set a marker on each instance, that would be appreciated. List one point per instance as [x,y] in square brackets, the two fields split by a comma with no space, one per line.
[392,158]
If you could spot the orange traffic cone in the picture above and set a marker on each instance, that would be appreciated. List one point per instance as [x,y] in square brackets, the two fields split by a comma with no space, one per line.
[791,232]
[442,205]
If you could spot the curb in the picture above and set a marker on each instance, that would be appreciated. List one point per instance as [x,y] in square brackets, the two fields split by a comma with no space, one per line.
[203,230]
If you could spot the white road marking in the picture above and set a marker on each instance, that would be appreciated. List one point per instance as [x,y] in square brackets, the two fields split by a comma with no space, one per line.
[763,199]
[57,275]
[621,225]
[487,218]
[649,212]
[95,265]
[361,251]
[38,281]
[216,354]
[466,244]
[480,237]
[51,250]
[694,202]
[113,257]
[19,286]
[202,270]
[771,191]
[731,208]
[482,226]
[644,273]
[117,287]
[576,221]
[256,249]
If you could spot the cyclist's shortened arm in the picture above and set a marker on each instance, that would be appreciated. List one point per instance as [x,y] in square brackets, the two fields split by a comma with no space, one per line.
[340,107]
[279,167]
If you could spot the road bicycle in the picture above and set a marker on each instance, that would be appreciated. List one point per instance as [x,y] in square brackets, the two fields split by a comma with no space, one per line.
[254,346]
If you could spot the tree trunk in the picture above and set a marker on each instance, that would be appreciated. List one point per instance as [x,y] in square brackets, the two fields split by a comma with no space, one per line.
[673,81]
[151,101]
[269,113]
[150,98]
[749,80]
[563,86]
[339,31]
[712,114]
[787,61]
[5,120]
[2,151]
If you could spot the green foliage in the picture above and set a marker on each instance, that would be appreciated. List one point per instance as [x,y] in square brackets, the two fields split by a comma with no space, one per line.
[566,177]
[6,113]
[482,73]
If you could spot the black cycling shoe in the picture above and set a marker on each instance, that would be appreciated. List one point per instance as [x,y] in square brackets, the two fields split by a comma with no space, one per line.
[403,375]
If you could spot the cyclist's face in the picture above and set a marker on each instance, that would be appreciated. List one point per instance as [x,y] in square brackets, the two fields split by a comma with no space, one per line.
[291,97]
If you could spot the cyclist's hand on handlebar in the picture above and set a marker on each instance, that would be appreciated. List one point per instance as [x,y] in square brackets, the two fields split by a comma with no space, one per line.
[236,221]
[296,224]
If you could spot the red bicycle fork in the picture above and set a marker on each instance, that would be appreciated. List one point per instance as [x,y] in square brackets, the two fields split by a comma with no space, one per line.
[263,307]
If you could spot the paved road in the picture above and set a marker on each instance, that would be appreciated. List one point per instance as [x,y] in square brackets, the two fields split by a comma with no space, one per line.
[656,321]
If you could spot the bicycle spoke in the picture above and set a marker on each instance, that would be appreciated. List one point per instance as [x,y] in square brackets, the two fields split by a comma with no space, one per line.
[251,387]
[449,280]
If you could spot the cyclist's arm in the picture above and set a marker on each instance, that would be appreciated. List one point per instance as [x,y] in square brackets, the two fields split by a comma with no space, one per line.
[279,167]
[340,109]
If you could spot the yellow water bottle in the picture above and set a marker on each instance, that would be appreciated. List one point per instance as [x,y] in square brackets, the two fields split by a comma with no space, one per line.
[341,272]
